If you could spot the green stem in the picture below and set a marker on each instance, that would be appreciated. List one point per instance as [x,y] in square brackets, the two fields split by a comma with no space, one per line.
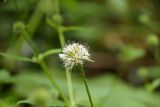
[62,42]
[72,28]
[59,27]
[61,36]
[47,73]
[27,36]
[31,25]
[86,85]
[50,52]
[70,88]
[41,62]
[57,6]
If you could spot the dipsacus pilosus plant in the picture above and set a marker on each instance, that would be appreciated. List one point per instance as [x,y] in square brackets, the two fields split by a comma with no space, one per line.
[74,54]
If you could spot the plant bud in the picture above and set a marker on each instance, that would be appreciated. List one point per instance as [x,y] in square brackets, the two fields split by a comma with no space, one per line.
[152,40]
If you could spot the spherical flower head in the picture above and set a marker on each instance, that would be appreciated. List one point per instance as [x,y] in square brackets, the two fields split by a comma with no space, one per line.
[74,54]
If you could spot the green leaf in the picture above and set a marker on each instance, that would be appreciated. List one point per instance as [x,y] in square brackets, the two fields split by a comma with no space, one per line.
[106,90]
[26,101]
[130,53]
[151,87]
[4,76]
[16,57]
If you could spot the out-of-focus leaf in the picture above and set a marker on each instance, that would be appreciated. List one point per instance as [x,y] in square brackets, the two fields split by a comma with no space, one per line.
[106,90]
[152,86]
[151,72]
[152,40]
[120,6]
[16,57]
[4,76]
[27,101]
[4,104]
[109,91]
[130,53]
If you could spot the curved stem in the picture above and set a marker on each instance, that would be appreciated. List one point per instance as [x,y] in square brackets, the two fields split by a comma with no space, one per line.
[70,88]
[86,85]
[50,52]
[47,73]
[44,66]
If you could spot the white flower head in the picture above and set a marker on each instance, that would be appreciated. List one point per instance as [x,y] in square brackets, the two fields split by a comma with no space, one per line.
[74,54]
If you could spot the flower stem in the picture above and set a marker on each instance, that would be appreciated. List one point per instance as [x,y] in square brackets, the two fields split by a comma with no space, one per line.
[50,52]
[47,73]
[57,6]
[59,27]
[86,85]
[43,65]
[70,88]
[61,36]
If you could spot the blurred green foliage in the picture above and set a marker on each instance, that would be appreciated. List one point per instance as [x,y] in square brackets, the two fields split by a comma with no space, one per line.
[113,92]
[127,30]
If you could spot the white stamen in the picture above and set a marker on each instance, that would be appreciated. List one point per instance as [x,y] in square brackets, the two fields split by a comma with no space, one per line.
[74,54]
